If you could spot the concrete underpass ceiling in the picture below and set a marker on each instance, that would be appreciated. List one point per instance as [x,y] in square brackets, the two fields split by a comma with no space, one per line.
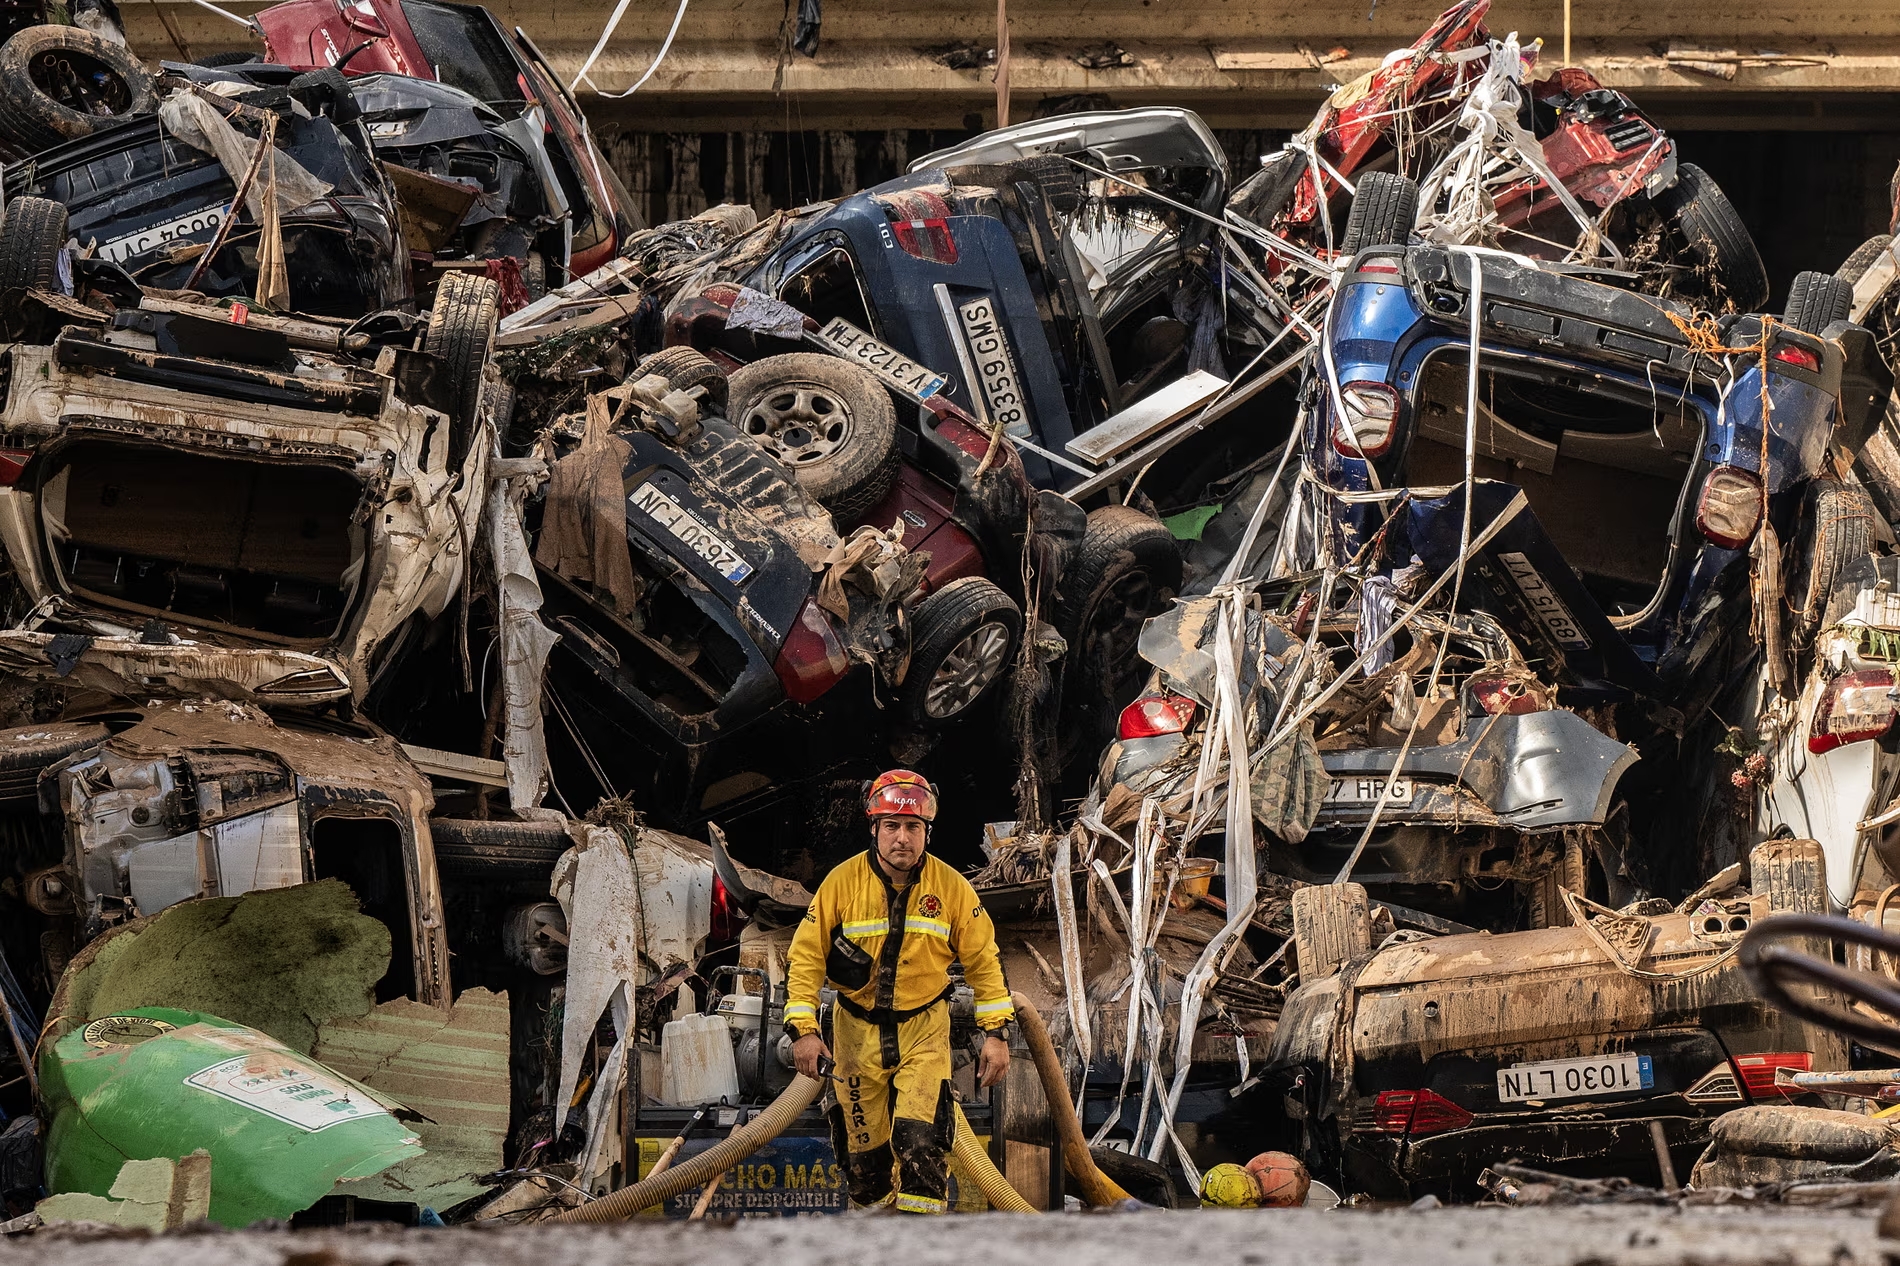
[1824,66]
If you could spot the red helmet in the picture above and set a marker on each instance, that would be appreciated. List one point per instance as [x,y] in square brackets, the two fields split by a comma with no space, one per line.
[899,793]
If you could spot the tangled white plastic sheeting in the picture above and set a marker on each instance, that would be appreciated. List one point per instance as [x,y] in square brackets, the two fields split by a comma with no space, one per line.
[525,643]
[1492,134]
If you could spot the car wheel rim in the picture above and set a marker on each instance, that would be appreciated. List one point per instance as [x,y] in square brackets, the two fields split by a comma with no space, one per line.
[799,423]
[1124,606]
[967,670]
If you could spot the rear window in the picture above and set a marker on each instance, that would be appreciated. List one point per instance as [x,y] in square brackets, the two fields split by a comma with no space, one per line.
[465,49]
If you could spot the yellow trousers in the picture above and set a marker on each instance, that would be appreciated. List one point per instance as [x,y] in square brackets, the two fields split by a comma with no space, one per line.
[894,1114]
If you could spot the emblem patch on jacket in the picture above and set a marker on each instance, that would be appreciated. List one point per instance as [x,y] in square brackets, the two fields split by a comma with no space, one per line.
[929,906]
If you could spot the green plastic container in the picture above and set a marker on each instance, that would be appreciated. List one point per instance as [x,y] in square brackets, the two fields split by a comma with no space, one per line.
[282,1129]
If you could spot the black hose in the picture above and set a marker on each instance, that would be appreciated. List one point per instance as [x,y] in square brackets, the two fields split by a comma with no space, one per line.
[1772,967]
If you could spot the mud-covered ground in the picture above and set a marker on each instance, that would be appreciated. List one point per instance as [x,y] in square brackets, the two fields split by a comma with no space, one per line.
[1640,1236]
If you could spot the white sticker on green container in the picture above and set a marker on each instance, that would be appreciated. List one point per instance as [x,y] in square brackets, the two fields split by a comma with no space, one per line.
[299,1094]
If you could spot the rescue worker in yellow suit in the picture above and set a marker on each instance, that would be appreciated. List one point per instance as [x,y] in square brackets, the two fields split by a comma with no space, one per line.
[883,929]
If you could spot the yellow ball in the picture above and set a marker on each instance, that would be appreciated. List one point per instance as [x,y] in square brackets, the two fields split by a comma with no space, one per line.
[1229,1186]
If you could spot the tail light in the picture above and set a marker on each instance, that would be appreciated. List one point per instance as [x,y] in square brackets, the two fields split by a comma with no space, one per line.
[811,660]
[1423,1112]
[727,918]
[1154,715]
[1729,509]
[1381,264]
[1373,410]
[1507,696]
[1854,707]
[1758,1071]
[926,239]
[12,462]
[1799,357]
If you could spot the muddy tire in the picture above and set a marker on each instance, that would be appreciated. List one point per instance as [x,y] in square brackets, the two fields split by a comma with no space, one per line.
[1384,208]
[32,233]
[1545,895]
[830,422]
[1126,570]
[1816,301]
[461,336]
[59,83]
[963,641]
[1792,874]
[1332,925]
[27,750]
[497,850]
[1715,241]
[1855,266]
[1837,530]
[685,368]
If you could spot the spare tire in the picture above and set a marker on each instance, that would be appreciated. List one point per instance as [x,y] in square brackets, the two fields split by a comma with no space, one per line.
[1384,208]
[497,850]
[1817,300]
[963,640]
[461,336]
[829,421]
[1714,240]
[59,83]
[1837,531]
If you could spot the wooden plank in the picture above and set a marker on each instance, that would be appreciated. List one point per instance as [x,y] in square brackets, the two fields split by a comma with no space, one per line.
[439,764]
[1146,417]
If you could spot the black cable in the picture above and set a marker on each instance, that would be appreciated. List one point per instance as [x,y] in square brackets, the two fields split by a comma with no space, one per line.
[1772,968]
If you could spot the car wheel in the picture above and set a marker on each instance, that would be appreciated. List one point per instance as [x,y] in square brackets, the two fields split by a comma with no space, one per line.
[1544,895]
[1855,266]
[1126,571]
[32,233]
[497,850]
[1816,301]
[1838,529]
[27,750]
[59,83]
[963,640]
[461,336]
[685,368]
[829,421]
[1332,925]
[1717,243]
[1384,208]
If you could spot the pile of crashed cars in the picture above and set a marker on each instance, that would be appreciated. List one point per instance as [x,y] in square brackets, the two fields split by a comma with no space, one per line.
[369,476]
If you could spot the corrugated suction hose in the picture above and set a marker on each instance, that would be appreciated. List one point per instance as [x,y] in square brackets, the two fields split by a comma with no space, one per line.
[1096,1188]
[697,1171]
[975,1164]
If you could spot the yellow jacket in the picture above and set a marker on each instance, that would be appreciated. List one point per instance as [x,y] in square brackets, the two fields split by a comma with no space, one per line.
[911,934]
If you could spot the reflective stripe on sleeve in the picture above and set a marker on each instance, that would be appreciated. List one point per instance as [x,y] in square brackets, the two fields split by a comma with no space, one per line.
[927,927]
[800,1011]
[918,1204]
[1001,1006]
[866,927]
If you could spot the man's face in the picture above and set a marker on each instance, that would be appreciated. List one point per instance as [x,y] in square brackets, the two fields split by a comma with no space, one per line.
[900,842]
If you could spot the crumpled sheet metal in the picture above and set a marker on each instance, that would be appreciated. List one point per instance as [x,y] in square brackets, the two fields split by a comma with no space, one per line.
[525,643]
[584,530]
[599,893]
[199,124]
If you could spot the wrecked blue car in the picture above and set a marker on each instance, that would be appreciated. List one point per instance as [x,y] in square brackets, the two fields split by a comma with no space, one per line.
[1651,448]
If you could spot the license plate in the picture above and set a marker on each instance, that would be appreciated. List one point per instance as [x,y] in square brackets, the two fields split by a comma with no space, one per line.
[1545,605]
[1355,790]
[687,528]
[120,249]
[995,368]
[890,366]
[1575,1078]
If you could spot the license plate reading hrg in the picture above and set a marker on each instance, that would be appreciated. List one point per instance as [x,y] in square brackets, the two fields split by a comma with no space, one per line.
[890,366]
[1575,1078]
[120,249]
[1351,789]
[690,531]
